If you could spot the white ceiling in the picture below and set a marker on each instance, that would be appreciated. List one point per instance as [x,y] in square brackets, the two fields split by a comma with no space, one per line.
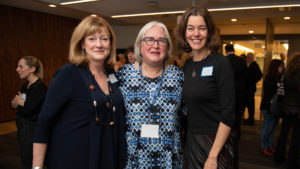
[254,19]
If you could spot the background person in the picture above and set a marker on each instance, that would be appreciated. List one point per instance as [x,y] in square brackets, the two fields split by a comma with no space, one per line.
[152,93]
[270,87]
[254,75]
[208,92]
[81,124]
[130,54]
[28,101]
[291,118]
[240,82]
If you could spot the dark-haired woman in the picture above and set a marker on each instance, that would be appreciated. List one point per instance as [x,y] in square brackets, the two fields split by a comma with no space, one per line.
[208,92]
[270,87]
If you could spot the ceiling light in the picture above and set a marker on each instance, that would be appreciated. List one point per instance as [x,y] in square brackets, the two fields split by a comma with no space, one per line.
[286,18]
[211,10]
[76,2]
[94,15]
[243,48]
[251,31]
[233,20]
[52,6]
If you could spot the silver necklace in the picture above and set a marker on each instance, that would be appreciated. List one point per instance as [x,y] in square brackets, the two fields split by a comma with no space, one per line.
[194,73]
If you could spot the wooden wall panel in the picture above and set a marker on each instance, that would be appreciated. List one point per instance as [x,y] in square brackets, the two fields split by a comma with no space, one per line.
[24,32]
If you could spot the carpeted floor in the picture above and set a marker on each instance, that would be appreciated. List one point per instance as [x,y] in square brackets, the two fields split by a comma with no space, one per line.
[250,155]
[9,151]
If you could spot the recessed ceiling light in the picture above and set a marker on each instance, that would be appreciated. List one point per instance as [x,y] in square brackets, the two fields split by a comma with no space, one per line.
[251,31]
[233,20]
[76,2]
[52,6]
[286,18]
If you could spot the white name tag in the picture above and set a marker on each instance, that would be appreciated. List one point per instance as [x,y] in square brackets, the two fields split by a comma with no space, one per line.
[207,71]
[23,96]
[150,130]
[112,78]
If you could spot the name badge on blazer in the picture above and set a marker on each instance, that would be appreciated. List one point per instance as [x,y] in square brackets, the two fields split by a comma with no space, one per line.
[207,71]
[112,78]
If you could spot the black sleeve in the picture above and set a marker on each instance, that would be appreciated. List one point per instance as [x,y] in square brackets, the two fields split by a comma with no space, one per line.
[225,79]
[35,100]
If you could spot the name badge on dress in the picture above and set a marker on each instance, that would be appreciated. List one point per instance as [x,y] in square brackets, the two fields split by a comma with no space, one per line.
[207,71]
[150,130]
[112,78]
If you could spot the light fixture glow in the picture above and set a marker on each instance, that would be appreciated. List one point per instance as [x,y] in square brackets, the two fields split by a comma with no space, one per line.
[251,31]
[211,10]
[243,48]
[233,20]
[76,2]
[286,46]
[52,6]
[94,15]
[286,18]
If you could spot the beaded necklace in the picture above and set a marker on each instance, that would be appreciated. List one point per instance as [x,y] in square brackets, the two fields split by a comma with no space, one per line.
[108,105]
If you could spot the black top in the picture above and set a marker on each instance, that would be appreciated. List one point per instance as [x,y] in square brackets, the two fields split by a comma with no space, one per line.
[269,88]
[210,95]
[254,75]
[35,96]
[292,91]
[67,123]
[239,66]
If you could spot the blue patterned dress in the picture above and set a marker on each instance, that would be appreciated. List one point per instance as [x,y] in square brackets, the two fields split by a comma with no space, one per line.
[138,91]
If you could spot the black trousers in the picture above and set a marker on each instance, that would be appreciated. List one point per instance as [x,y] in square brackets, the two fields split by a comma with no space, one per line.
[250,104]
[288,123]
[25,137]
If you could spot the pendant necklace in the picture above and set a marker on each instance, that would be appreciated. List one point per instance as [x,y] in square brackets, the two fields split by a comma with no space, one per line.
[193,65]
[108,105]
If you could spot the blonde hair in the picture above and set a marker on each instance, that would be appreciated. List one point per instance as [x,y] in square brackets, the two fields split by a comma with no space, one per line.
[86,27]
[32,61]
[139,39]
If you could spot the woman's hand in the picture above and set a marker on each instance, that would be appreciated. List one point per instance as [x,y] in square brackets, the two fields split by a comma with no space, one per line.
[17,101]
[211,163]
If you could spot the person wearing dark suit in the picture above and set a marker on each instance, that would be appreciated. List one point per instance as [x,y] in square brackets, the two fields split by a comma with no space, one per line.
[28,101]
[81,124]
[239,67]
[254,75]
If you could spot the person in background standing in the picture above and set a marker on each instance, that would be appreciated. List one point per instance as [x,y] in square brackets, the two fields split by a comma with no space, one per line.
[28,101]
[208,92]
[291,117]
[130,54]
[270,87]
[240,82]
[81,125]
[254,75]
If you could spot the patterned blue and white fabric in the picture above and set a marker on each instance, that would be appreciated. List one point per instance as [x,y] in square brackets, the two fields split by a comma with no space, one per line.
[138,91]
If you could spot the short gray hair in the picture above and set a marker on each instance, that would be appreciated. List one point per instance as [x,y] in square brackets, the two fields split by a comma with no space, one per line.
[139,39]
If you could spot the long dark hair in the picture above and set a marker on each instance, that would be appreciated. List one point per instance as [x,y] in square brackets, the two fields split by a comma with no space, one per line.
[273,69]
[293,66]
[213,38]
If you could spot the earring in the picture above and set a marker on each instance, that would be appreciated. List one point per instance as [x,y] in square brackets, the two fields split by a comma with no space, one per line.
[83,52]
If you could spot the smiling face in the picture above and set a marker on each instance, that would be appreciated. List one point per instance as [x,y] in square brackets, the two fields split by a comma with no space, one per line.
[155,53]
[97,46]
[196,32]
[24,70]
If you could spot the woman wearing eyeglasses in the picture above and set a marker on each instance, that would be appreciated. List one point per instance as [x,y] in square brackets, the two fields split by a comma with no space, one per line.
[152,94]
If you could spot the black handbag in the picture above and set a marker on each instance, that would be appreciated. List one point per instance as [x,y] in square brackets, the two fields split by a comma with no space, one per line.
[276,105]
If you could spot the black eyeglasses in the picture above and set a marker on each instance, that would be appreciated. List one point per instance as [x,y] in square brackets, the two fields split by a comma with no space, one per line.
[150,41]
